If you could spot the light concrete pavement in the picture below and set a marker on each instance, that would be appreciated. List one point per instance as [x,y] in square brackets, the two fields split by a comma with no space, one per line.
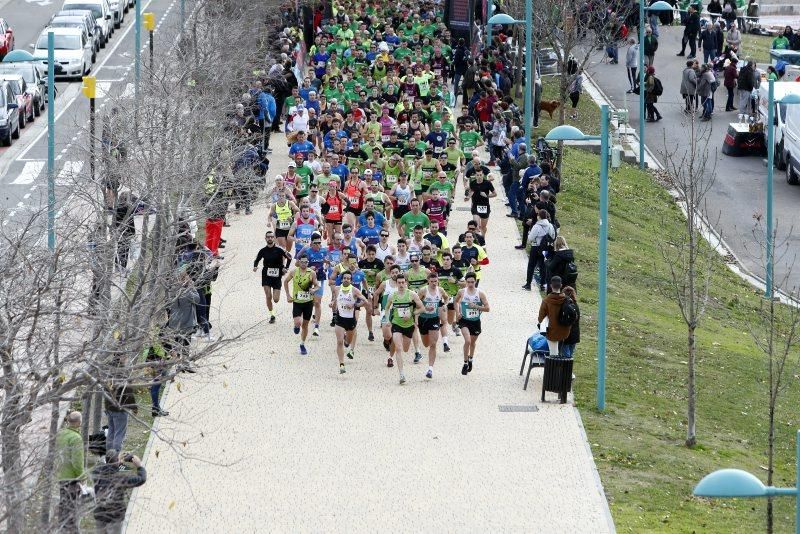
[275,441]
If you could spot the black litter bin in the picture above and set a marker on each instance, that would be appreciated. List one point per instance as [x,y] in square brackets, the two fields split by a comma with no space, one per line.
[557,377]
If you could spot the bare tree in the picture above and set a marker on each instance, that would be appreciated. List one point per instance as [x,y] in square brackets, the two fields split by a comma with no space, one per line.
[690,173]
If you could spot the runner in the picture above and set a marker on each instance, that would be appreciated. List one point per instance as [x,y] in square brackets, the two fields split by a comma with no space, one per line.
[369,234]
[281,214]
[345,301]
[413,218]
[402,308]
[384,248]
[470,303]
[416,276]
[333,209]
[474,254]
[276,261]
[451,280]
[318,260]
[371,266]
[356,246]
[437,208]
[481,191]
[304,284]
[437,240]
[354,191]
[402,258]
[303,227]
[433,298]
[386,289]
[314,201]
[401,194]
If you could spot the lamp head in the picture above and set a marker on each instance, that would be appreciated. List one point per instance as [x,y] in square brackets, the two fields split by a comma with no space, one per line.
[565,132]
[659,6]
[503,18]
[730,483]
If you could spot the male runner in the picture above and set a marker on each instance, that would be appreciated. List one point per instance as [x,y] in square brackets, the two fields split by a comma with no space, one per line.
[318,260]
[346,299]
[371,266]
[276,261]
[470,303]
[451,279]
[386,289]
[433,298]
[402,308]
[304,284]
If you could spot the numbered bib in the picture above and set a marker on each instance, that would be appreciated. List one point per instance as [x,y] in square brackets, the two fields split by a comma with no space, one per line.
[273,271]
[404,313]
[354,200]
[402,201]
[302,295]
[482,209]
[384,138]
[284,225]
[334,209]
[472,313]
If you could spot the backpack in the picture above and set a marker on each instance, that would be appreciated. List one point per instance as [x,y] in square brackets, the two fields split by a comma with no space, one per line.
[546,243]
[568,315]
[658,89]
[570,273]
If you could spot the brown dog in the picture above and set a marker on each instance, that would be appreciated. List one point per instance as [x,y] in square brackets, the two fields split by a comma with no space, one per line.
[549,106]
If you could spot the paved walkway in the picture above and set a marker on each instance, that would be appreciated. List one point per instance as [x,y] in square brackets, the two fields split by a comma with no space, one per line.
[280,442]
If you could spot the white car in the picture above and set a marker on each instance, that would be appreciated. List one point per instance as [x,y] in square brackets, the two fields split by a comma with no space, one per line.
[118,10]
[35,83]
[72,51]
[101,12]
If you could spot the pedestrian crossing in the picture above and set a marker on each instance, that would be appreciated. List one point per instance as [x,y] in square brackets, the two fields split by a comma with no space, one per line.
[103,90]
[68,174]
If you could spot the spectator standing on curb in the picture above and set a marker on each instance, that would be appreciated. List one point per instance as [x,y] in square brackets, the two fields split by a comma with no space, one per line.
[119,400]
[705,90]
[708,42]
[632,64]
[574,337]
[689,87]
[155,355]
[70,472]
[111,485]
[690,33]
[650,46]
[551,309]
[650,98]
[182,316]
[745,85]
[730,74]
[540,238]
[575,90]
[562,262]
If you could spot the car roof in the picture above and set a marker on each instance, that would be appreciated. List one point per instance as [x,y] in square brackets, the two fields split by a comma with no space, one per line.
[69,18]
[10,76]
[74,12]
[62,31]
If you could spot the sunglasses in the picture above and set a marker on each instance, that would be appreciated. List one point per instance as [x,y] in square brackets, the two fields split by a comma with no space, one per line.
[316,242]
[348,230]
[384,235]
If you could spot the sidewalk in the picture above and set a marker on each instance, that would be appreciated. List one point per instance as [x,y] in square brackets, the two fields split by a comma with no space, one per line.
[282,442]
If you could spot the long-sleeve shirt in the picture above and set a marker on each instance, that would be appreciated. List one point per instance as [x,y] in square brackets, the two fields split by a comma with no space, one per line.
[69,455]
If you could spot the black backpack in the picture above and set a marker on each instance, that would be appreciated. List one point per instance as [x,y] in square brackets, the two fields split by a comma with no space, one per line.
[568,315]
[658,89]
[570,273]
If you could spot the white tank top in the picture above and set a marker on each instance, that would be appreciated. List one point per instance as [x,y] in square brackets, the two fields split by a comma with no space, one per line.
[316,206]
[345,302]
[403,195]
[382,253]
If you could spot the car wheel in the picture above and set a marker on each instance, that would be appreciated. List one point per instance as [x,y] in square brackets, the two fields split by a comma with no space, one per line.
[791,176]
[779,161]
[7,141]
[22,121]
[94,57]
[15,135]
[37,109]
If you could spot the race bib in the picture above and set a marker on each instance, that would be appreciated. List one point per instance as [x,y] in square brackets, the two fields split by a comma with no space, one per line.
[273,271]
[472,314]
[354,200]
[482,209]
[404,313]
[437,72]
[384,138]
[302,295]
[284,225]
[402,201]
[334,209]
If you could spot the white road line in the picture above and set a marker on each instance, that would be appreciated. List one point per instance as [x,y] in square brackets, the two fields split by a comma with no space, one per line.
[68,173]
[102,89]
[129,92]
[27,196]
[29,172]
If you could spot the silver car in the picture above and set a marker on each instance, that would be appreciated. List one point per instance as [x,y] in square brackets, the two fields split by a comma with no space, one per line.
[73,53]
[34,81]
[9,115]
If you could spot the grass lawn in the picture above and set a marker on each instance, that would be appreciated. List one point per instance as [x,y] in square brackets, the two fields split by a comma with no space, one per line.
[757,47]
[638,442]
[588,120]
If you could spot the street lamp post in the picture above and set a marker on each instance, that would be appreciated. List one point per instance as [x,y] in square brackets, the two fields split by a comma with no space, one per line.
[570,133]
[51,143]
[656,6]
[149,21]
[769,290]
[506,20]
[90,91]
[735,483]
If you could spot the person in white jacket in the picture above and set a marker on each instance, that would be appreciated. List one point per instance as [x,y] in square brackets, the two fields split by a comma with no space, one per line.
[632,64]
[541,238]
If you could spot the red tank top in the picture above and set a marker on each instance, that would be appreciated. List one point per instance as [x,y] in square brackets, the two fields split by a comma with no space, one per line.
[335,208]
[353,194]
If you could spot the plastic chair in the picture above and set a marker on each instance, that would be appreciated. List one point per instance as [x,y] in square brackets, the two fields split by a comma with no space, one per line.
[536,360]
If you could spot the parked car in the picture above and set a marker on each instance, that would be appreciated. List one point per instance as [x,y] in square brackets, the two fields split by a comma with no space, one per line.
[72,51]
[86,15]
[23,97]
[101,13]
[118,10]
[9,115]
[35,82]
[791,144]
[6,38]
[76,22]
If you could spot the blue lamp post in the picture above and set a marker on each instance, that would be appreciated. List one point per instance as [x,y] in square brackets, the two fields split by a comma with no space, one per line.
[737,483]
[656,6]
[503,19]
[787,99]
[51,143]
[570,133]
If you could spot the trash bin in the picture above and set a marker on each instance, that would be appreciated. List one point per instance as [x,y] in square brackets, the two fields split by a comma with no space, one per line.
[557,377]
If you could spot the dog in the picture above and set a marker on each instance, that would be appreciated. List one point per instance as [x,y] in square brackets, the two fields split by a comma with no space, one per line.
[549,106]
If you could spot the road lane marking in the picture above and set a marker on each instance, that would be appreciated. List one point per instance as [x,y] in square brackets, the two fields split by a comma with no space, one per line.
[69,172]
[29,172]
[102,89]
[129,92]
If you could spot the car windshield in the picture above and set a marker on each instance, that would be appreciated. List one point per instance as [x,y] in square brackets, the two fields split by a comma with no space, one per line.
[60,42]
[66,24]
[15,88]
[25,71]
[94,8]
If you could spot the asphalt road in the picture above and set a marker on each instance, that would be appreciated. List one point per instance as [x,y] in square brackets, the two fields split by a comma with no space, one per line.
[738,195]
[23,176]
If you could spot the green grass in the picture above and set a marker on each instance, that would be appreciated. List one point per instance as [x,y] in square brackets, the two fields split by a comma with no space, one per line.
[638,442]
[757,47]
[588,120]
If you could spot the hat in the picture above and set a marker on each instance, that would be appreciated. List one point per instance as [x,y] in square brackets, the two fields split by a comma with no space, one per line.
[333,182]
[292,164]
[367,172]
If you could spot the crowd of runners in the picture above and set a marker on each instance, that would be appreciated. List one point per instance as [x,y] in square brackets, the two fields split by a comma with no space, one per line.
[358,227]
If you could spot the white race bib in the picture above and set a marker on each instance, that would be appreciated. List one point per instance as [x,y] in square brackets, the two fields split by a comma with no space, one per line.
[284,225]
[402,201]
[273,271]
[404,313]
[302,295]
[334,209]
[482,209]
[472,313]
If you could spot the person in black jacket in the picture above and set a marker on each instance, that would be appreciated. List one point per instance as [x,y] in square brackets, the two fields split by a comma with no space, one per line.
[119,402]
[690,33]
[111,485]
[558,263]
[574,337]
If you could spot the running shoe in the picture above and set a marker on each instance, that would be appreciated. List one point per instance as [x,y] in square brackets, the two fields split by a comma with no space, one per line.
[341,369]
[456,332]
[429,374]
[371,336]
[350,354]
[417,357]
[316,331]
[272,320]
[465,369]
[333,323]
[402,379]
[390,363]
[387,344]
[296,330]
[303,351]
[446,347]
[469,366]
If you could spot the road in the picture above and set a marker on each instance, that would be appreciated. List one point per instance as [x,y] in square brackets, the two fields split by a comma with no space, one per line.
[23,176]
[738,194]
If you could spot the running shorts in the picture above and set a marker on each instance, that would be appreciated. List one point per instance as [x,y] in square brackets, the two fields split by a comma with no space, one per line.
[348,323]
[474,327]
[306,309]
[426,324]
[407,332]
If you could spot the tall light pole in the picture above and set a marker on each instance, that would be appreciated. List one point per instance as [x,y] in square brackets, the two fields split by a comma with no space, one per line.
[656,6]
[566,132]
[507,20]
[51,143]
[769,290]
[137,47]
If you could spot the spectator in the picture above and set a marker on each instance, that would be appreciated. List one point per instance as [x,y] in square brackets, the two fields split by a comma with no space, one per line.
[574,337]
[730,75]
[575,89]
[541,238]
[182,317]
[650,98]
[632,65]
[689,87]
[705,90]
[734,37]
[781,42]
[690,33]
[708,42]
[745,85]
[650,46]
[111,485]
[559,262]
[70,471]
[714,9]
[119,401]
[550,309]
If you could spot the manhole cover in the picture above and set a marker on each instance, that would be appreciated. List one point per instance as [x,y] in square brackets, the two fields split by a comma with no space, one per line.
[517,408]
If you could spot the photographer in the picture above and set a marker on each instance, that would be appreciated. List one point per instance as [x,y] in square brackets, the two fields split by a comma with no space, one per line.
[111,485]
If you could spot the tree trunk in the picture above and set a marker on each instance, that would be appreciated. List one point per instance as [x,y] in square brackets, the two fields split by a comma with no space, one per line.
[691,438]
[47,470]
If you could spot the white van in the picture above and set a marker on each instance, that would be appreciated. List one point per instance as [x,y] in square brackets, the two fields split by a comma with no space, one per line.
[791,144]
[100,11]
[781,90]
